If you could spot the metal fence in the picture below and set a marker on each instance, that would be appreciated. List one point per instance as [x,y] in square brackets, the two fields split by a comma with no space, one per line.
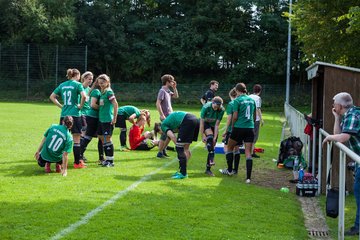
[31,72]
[35,69]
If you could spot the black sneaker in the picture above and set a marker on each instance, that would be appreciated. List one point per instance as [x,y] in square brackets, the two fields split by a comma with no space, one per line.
[254,155]
[165,154]
[107,164]
[210,173]
[353,231]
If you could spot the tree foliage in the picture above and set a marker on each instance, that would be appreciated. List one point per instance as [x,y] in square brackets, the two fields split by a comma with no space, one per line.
[328,30]
[137,40]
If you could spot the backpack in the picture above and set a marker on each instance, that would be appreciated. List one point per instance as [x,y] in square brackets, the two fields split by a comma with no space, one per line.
[291,146]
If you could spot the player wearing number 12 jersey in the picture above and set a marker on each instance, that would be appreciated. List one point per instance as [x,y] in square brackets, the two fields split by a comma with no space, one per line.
[70,91]
[55,146]
[243,119]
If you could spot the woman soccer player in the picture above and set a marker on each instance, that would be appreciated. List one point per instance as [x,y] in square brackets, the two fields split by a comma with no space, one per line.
[129,113]
[70,91]
[86,80]
[108,108]
[210,118]
[139,141]
[92,121]
[55,146]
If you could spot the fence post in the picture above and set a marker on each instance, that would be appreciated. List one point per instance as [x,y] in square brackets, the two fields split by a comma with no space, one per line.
[313,150]
[56,65]
[341,195]
[86,54]
[0,59]
[319,163]
[27,70]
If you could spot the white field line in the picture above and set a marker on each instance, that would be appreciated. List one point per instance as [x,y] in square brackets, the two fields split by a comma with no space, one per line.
[112,200]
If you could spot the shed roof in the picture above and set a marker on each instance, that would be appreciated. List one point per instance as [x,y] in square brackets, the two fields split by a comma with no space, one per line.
[312,69]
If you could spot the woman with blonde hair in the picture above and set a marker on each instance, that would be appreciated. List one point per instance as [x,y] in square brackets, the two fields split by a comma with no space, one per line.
[108,109]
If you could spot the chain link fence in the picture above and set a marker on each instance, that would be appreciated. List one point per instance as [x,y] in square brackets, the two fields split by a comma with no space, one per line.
[31,72]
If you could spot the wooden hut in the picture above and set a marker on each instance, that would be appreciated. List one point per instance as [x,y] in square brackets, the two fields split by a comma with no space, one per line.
[328,80]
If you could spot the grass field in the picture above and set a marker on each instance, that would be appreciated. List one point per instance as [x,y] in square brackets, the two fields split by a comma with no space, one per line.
[136,199]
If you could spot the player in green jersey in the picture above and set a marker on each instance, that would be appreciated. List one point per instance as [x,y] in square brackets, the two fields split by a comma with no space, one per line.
[92,122]
[187,126]
[229,111]
[86,80]
[129,113]
[70,91]
[243,119]
[55,146]
[108,109]
[210,118]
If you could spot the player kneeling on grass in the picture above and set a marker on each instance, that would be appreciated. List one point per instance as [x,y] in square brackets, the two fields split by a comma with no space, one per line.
[55,146]
[187,126]
[139,141]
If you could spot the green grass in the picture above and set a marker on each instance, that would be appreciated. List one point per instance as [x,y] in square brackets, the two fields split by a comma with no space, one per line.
[35,205]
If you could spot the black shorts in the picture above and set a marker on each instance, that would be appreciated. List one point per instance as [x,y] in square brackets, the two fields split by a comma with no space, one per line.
[241,135]
[92,126]
[106,129]
[189,129]
[83,123]
[144,147]
[208,126]
[120,121]
[77,125]
[42,162]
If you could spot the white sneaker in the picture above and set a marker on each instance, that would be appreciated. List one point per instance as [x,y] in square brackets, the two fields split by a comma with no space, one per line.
[225,172]
[247,181]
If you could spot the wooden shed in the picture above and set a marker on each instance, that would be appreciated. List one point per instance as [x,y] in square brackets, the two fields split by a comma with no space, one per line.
[328,80]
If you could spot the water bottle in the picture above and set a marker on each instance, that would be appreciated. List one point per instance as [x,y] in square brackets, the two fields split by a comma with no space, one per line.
[301,174]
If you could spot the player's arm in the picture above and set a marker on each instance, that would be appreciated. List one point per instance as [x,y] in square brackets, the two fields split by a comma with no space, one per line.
[228,122]
[132,118]
[115,105]
[82,100]
[37,153]
[234,119]
[171,135]
[176,93]
[201,130]
[93,103]
[158,107]
[53,97]
[65,160]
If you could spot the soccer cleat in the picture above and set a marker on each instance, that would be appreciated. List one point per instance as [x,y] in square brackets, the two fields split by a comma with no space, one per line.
[225,172]
[160,155]
[58,168]
[124,149]
[80,165]
[179,176]
[82,162]
[176,173]
[165,154]
[248,181]
[107,164]
[353,231]
[210,173]
[47,167]
[254,155]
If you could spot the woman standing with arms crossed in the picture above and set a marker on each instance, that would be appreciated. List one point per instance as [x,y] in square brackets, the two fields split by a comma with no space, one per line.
[70,92]
[55,146]
[108,108]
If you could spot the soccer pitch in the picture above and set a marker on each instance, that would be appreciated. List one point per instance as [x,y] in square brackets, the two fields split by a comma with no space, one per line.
[137,199]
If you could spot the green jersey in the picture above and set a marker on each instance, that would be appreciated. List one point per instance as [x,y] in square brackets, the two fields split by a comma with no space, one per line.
[106,109]
[229,111]
[58,140]
[210,115]
[69,92]
[245,106]
[95,93]
[127,111]
[173,121]
[87,102]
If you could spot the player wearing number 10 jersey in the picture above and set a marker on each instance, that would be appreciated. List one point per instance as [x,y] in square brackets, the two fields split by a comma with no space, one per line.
[243,119]
[70,91]
[55,146]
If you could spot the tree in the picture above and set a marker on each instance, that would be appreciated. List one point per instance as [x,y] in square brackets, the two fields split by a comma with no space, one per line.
[324,34]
